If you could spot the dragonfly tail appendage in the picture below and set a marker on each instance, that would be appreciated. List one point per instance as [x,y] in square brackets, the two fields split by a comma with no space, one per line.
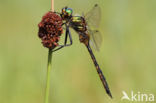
[104,82]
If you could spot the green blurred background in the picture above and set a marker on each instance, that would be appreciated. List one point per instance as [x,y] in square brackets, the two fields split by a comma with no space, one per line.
[127,56]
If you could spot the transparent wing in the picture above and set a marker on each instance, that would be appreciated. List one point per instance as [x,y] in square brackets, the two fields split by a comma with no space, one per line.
[93,17]
[95,39]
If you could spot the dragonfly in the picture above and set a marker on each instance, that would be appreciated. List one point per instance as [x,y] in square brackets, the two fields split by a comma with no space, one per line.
[88,36]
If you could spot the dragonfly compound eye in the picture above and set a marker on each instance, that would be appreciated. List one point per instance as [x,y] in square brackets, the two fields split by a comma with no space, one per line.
[69,11]
[50,29]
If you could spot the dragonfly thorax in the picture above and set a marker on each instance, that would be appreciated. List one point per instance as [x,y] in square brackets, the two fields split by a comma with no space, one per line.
[78,24]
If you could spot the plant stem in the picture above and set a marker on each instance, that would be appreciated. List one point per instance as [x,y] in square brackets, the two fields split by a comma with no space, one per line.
[48,76]
[52,5]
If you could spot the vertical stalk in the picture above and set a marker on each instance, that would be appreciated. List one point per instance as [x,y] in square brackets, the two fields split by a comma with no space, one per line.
[49,66]
[52,5]
[48,76]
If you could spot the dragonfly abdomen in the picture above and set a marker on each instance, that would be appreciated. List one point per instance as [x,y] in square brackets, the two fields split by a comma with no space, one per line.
[99,71]
[84,38]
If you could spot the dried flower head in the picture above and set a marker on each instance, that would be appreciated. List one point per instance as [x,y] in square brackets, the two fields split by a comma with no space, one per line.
[50,29]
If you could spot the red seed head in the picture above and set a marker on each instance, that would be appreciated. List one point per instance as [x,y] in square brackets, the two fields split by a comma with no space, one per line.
[50,29]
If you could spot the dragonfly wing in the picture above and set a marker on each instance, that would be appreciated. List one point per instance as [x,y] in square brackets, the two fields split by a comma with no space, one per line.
[93,17]
[95,39]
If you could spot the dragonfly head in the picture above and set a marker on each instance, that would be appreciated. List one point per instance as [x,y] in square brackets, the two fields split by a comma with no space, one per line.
[66,13]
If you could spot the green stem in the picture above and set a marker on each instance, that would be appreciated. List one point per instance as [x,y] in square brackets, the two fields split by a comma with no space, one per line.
[48,76]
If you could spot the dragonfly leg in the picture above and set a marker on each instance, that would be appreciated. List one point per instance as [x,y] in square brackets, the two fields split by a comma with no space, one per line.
[65,42]
[70,37]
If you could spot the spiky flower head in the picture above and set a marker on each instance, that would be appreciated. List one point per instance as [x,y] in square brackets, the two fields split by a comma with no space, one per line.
[50,29]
